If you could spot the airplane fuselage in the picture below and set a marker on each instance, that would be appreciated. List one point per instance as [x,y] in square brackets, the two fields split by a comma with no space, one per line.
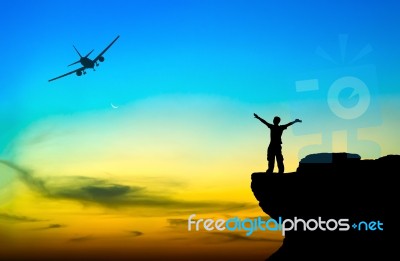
[87,63]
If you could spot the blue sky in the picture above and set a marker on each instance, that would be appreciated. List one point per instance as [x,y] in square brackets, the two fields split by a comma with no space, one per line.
[250,51]
[187,76]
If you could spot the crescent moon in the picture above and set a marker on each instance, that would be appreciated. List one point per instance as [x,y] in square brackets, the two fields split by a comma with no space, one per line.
[113,106]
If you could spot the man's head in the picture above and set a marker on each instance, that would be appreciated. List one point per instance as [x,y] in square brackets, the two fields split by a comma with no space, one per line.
[277,120]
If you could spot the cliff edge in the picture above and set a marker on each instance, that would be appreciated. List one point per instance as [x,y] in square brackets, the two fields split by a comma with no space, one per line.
[341,199]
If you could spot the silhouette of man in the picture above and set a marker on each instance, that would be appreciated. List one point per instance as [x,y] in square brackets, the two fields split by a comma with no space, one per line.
[275,145]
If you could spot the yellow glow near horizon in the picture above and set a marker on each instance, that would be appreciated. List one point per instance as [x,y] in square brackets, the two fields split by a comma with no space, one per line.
[179,161]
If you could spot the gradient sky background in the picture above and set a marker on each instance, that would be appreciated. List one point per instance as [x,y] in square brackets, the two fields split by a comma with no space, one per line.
[78,176]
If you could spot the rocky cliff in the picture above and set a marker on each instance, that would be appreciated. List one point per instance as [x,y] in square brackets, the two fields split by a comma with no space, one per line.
[331,186]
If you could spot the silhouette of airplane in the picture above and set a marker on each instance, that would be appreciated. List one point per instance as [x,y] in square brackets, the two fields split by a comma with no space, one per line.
[86,62]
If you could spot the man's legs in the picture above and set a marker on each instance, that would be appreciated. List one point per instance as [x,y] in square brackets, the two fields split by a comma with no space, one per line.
[279,160]
[271,160]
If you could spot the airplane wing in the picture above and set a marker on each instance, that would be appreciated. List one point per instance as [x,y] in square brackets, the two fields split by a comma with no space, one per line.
[105,50]
[71,72]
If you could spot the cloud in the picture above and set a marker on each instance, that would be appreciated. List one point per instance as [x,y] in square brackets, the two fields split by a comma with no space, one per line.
[18,218]
[34,183]
[189,144]
[97,191]
[135,233]
[109,194]
[81,239]
[55,226]
[177,222]
[51,226]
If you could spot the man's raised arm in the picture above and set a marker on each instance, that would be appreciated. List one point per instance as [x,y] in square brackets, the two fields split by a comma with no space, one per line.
[291,123]
[262,120]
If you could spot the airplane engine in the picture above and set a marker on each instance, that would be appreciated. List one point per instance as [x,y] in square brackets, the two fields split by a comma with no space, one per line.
[79,73]
[101,59]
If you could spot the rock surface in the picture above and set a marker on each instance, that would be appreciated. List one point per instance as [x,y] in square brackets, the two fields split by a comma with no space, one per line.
[331,186]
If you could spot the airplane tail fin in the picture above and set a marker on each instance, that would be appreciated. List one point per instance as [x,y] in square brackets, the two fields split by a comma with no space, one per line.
[79,56]
[77,51]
